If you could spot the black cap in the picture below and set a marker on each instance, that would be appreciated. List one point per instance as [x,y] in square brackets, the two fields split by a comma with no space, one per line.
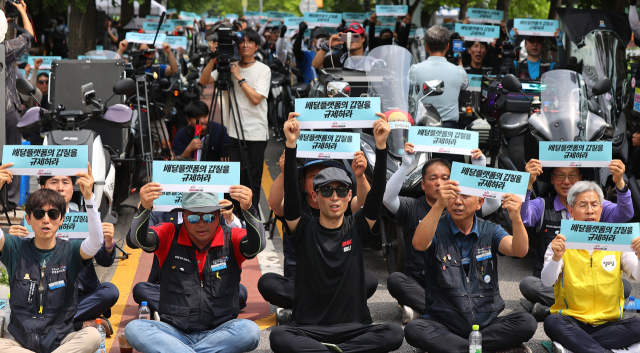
[329,175]
[309,162]
[320,32]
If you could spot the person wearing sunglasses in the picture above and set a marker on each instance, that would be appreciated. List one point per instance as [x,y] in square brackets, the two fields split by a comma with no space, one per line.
[44,274]
[324,58]
[586,315]
[330,310]
[545,214]
[279,289]
[461,275]
[200,265]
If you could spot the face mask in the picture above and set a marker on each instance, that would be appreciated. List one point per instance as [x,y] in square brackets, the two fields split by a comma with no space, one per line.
[386,41]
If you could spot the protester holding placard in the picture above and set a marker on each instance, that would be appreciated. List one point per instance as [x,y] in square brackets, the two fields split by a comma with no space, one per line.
[545,215]
[578,323]
[304,58]
[204,258]
[330,302]
[436,67]
[278,289]
[461,272]
[408,287]
[43,274]
[322,60]
[532,67]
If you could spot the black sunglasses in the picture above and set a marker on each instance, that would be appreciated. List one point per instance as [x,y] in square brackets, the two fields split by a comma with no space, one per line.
[53,213]
[42,82]
[356,27]
[327,191]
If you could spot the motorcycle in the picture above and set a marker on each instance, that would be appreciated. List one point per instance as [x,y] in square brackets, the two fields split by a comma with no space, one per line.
[68,125]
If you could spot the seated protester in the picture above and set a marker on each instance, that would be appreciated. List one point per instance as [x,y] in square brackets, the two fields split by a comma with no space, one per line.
[578,323]
[322,60]
[149,291]
[545,215]
[330,301]
[461,274]
[200,283]
[43,274]
[277,289]
[95,299]
[304,58]
[185,143]
[408,287]
[532,67]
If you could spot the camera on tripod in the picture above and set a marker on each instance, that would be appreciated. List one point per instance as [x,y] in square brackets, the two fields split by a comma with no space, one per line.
[456,48]
[509,54]
[228,39]
[139,59]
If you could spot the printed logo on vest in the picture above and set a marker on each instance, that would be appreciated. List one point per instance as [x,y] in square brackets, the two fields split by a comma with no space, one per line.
[346,245]
[609,262]
[55,271]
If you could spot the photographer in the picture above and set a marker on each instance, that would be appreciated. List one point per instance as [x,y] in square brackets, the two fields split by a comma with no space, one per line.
[337,60]
[436,67]
[14,49]
[251,83]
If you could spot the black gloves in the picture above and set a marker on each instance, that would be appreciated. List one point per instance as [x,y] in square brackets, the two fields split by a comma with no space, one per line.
[302,27]
[283,30]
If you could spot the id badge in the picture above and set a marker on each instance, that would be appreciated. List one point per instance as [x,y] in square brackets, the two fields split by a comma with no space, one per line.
[484,254]
[220,264]
[58,284]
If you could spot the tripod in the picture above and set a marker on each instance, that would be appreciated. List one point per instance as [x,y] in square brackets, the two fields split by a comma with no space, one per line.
[222,84]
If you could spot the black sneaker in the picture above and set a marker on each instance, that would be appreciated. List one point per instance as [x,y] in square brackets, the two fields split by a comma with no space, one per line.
[283,316]
[527,305]
[540,312]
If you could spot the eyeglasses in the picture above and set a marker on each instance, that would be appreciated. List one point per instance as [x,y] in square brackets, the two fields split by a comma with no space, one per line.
[585,206]
[572,177]
[327,191]
[207,218]
[39,213]
[246,44]
[43,82]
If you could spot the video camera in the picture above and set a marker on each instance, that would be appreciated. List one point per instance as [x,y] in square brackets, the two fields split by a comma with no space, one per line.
[509,55]
[456,48]
[227,44]
[139,59]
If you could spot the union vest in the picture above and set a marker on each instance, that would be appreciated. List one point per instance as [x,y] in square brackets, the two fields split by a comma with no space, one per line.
[590,288]
[547,230]
[191,304]
[452,296]
[523,69]
[43,299]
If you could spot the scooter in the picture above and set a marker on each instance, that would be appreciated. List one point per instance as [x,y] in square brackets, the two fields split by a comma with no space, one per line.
[70,132]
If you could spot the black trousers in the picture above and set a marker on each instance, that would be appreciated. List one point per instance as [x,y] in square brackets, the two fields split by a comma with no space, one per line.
[407,291]
[150,293]
[450,157]
[504,332]
[577,336]
[97,303]
[532,289]
[255,156]
[348,337]
[13,138]
[278,290]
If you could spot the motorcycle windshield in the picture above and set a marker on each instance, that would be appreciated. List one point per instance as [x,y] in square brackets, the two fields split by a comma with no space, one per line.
[603,55]
[358,63]
[388,76]
[102,55]
[562,104]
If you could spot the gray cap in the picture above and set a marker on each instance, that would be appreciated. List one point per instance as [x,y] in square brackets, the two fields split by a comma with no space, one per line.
[329,175]
[200,202]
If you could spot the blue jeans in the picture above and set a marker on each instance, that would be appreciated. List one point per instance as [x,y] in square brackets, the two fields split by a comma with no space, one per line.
[158,337]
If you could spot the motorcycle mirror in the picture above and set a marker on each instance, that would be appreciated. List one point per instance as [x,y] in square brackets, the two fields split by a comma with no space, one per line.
[601,87]
[193,76]
[338,89]
[511,83]
[164,83]
[24,87]
[124,87]
[433,87]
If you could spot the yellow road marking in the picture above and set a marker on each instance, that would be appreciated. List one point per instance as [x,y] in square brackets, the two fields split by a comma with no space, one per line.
[123,279]
[266,322]
[267,181]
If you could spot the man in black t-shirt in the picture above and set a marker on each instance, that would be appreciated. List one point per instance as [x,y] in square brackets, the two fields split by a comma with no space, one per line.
[278,289]
[330,303]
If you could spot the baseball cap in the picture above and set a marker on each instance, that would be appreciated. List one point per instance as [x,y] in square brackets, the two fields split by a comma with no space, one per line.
[200,202]
[320,32]
[329,175]
[323,162]
[355,27]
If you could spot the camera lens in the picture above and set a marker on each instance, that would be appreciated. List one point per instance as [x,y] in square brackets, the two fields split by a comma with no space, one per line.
[225,50]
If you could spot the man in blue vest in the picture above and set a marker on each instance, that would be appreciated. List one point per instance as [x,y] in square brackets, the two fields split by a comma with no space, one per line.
[461,273]
[532,67]
[200,264]
[43,274]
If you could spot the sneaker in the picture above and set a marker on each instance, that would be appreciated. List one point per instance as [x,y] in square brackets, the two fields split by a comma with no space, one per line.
[108,329]
[527,305]
[557,348]
[634,348]
[156,316]
[283,316]
[409,314]
[540,312]
[520,349]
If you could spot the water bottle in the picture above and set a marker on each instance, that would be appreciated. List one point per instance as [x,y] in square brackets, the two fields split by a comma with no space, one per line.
[630,309]
[475,340]
[103,336]
[7,312]
[144,313]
